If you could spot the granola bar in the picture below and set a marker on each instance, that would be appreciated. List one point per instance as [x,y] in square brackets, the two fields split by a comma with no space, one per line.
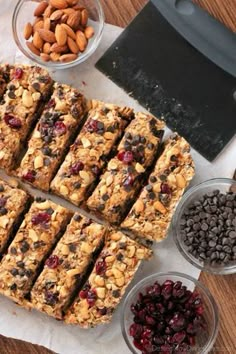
[28,88]
[93,147]
[66,267]
[13,202]
[38,233]
[61,119]
[151,215]
[4,78]
[121,182]
[112,273]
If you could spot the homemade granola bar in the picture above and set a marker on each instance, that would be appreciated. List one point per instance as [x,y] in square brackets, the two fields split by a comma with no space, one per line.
[13,202]
[61,119]
[121,182]
[151,215]
[40,230]
[27,90]
[91,150]
[112,273]
[65,269]
[4,78]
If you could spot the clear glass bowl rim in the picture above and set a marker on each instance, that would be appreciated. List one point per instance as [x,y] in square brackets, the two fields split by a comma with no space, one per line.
[55,65]
[213,182]
[152,278]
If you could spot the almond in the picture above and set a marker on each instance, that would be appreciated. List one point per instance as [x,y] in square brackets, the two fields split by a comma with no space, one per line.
[55,56]
[59,4]
[38,25]
[64,18]
[89,32]
[69,31]
[74,20]
[61,35]
[56,15]
[47,48]
[72,45]
[72,2]
[28,30]
[49,10]
[47,36]
[84,17]
[65,58]
[59,48]
[47,24]
[37,41]
[32,48]
[81,41]
[68,11]
[40,8]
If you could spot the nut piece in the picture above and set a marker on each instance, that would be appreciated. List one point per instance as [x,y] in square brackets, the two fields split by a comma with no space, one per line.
[139,206]
[28,30]
[38,162]
[47,36]
[40,8]
[66,58]
[61,35]
[32,48]
[81,41]
[89,32]
[27,99]
[160,207]
[59,4]
[181,182]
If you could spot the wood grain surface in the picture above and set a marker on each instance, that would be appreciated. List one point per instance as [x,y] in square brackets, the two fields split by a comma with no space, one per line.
[120,13]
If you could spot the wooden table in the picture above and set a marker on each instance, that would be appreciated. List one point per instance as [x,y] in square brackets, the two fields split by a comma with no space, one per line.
[223,288]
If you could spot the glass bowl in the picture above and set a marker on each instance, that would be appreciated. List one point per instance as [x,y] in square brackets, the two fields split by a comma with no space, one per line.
[204,339]
[23,13]
[193,194]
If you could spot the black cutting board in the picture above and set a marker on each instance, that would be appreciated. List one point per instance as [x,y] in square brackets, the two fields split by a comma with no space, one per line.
[173,80]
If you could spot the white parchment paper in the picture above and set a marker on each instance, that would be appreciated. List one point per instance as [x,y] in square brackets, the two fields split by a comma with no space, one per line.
[41,329]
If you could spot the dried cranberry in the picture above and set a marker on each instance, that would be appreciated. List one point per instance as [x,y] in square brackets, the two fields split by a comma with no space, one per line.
[51,103]
[12,121]
[92,126]
[59,128]
[29,176]
[135,330]
[101,267]
[51,298]
[3,202]
[52,262]
[178,322]
[41,218]
[125,156]
[91,297]
[165,188]
[76,167]
[178,337]
[128,181]
[18,74]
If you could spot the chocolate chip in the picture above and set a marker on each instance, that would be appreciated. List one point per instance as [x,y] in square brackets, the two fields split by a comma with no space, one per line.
[50,211]
[149,187]
[105,197]
[3,211]
[1,188]
[24,246]
[116,293]
[12,95]
[36,86]
[13,250]
[77,217]
[153,179]
[14,272]
[20,264]
[46,151]
[13,287]
[77,185]
[72,247]
[119,257]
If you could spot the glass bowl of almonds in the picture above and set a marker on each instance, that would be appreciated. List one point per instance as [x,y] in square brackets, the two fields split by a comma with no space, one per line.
[204,226]
[58,34]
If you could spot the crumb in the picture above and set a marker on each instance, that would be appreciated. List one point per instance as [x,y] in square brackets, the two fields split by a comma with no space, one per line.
[84,83]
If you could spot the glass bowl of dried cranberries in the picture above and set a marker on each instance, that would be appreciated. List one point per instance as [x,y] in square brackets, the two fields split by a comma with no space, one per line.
[204,226]
[169,313]
[58,34]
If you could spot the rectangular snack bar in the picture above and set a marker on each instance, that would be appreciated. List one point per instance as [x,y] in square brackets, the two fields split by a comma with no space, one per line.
[93,147]
[65,269]
[121,182]
[13,203]
[54,132]
[4,79]
[40,230]
[27,90]
[112,273]
[151,215]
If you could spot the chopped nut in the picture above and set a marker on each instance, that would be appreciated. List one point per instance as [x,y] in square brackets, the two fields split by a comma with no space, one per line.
[157,187]
[131,251]
[44,205]
[101,292]
[65,250]
[139,206]
[109,180]
[86,143]
[72,272]
[27,99]
[38,162]
[117,273]
[120,281]
[113,165]
[33,235]
[85,177]
[4,221]
[64,190]
[86,248]
[99,280]
[160,207]
[36,96]
[181,182]
[116,236]
[110,259]
[139,168]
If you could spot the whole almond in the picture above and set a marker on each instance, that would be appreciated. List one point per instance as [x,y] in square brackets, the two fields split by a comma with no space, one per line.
[55,56]
[89,32]
[69,11]
[59,48]
[72,45]
[74,20]
[47,48]
[58,4]
[69,31]
[32,48]
[47,36]
[56,15]
[40,8]
[81,41]
[45,57]
[61,35]
[72,2]
[47,23]
[37,41]
[49,10]
[28,30]
[65,58]
[84,17]
[78,7]
[38,25]
[64,18]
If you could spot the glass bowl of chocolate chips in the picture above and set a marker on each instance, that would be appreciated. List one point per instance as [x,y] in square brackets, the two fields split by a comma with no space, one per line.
[169,313]
[204,226]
